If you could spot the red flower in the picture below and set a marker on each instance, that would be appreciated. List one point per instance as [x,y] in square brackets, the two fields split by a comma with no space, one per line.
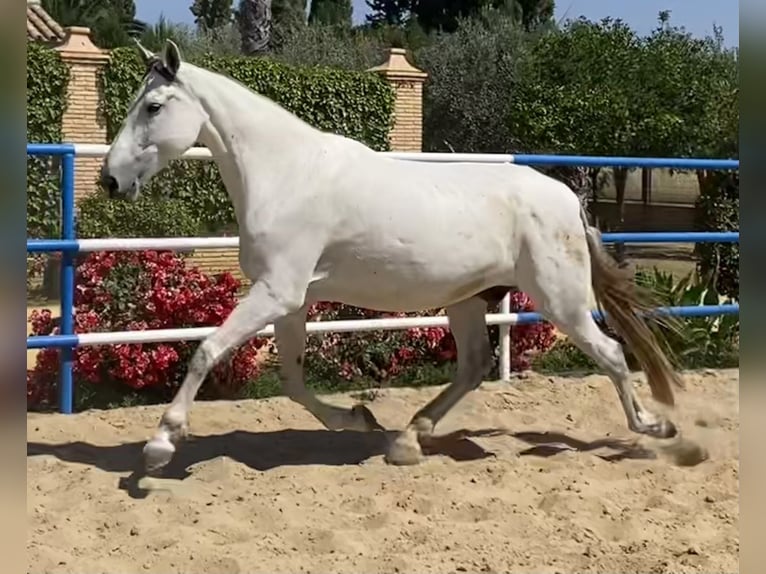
[133,291]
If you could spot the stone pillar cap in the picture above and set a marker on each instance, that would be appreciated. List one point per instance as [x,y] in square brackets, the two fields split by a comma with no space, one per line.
[78,44]
[397,65]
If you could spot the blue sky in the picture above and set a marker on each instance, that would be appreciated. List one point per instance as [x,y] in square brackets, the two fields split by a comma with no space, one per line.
[697,16]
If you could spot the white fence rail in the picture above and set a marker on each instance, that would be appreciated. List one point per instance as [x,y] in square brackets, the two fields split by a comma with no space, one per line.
[504,319]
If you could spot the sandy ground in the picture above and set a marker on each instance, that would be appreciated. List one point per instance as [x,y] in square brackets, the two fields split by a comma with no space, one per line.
[261,487]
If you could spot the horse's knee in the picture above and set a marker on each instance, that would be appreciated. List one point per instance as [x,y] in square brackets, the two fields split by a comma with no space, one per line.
[203,358]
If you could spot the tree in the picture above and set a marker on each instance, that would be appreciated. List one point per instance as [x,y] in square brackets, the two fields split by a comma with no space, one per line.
[473,77]
[254,21]
[211,14]
[112,22]
[578,95]
[388,12]
[443,15]
[193,41]
[331,12]
[697,93]
[288,18]
[535,13]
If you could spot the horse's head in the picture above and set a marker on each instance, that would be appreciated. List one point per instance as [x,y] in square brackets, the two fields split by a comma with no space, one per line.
[164,121]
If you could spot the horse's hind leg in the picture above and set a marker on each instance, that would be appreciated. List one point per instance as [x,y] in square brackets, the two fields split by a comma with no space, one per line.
[474,361]
[559,285]
[584,332]
[290,337]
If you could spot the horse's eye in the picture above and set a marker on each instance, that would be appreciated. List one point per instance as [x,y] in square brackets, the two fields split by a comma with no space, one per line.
[153,108]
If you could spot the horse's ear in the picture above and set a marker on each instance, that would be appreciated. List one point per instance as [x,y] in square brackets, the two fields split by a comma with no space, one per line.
[147,56]
[171,57]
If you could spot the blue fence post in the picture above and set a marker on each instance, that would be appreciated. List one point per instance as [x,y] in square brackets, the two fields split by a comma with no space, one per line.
[66,382]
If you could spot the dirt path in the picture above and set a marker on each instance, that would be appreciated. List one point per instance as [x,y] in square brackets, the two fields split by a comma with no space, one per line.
[262,488]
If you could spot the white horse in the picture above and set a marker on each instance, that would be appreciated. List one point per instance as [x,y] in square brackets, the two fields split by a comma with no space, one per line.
[325,218]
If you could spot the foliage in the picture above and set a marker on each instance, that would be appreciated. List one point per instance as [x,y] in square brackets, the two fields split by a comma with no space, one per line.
[193,42]
[47,81]
[376,357]
[536,13]
[388,12]
[287,18]
[473,76]
[359,48]
[148,216]
[121,291]
[357,105]
[112,22]
[445,16]
[563,357]
[528,341]
[577,95]
[718,209]
[692,342]
[386,357]
[331,12]
[698,341]
[211,14]
[692,105]
[699,90]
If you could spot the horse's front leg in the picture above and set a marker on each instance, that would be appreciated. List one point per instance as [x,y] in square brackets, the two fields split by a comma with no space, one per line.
[266,302]
[290,337]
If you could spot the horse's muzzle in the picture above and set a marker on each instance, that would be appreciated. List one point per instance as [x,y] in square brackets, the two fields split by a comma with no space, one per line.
[109,184]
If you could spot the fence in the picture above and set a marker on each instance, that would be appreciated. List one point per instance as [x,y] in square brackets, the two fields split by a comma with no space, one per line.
[68,245]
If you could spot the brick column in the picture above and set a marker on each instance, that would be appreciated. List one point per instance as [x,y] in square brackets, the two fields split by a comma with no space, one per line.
[83,121]
[407,81]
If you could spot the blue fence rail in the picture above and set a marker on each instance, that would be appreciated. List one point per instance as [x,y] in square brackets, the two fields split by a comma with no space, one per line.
[68,244]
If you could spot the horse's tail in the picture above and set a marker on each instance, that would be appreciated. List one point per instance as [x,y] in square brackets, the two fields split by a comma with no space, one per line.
[622,300]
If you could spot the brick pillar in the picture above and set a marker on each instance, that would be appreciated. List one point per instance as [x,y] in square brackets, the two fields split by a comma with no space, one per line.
[82,121]
[407,81]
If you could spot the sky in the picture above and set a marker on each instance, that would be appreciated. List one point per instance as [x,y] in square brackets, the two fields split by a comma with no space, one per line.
[697,16]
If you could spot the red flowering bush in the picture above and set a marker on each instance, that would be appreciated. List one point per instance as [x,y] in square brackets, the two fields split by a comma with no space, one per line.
[383,356]
[133,291]
[529,339]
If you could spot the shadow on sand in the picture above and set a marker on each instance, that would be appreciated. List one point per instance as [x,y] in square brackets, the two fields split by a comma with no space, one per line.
[291,447]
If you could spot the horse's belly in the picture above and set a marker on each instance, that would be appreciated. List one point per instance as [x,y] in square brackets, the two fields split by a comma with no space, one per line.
[407,285]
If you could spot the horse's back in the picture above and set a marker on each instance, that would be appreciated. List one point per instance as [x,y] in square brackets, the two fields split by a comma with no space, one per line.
[409,235]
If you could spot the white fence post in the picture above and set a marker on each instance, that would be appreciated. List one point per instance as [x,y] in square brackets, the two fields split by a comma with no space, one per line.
[505,341]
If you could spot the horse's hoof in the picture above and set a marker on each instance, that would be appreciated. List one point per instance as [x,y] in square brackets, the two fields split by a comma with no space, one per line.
[364,419]
[663,430]
[404,450]
[157,453]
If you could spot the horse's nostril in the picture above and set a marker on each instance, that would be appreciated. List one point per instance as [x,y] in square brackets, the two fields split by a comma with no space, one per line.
[110,184]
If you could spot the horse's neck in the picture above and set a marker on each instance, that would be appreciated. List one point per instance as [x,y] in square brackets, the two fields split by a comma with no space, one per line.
[253,141]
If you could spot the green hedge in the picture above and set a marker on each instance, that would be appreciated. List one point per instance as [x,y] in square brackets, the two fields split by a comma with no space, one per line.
[355,104]
[47,81]
[99,216]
